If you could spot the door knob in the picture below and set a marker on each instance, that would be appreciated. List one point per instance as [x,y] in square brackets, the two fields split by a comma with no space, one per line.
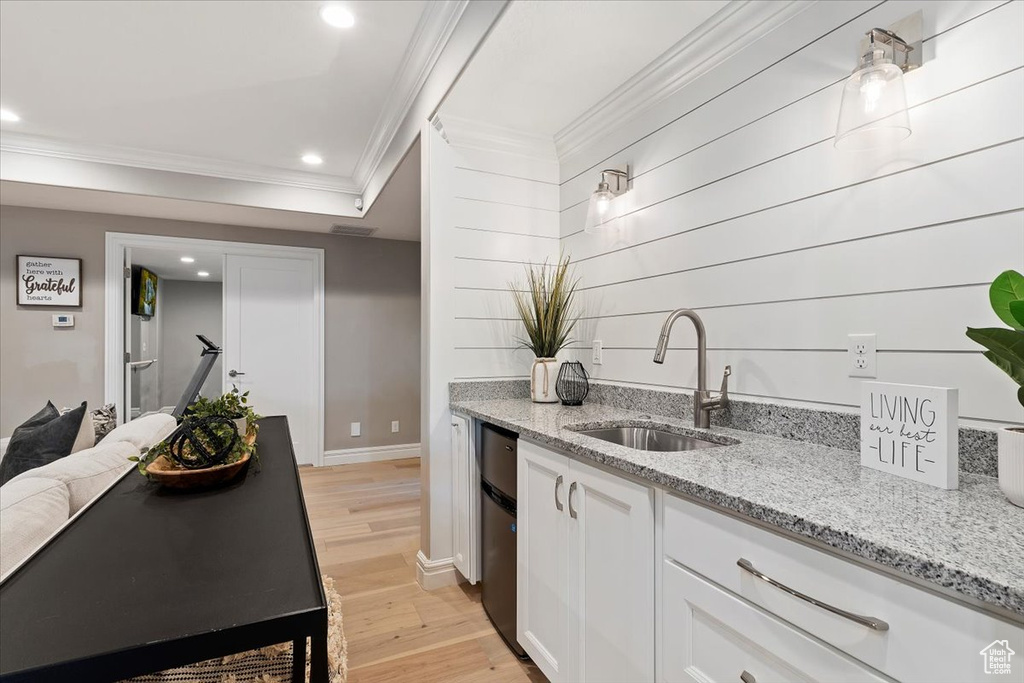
[234,373]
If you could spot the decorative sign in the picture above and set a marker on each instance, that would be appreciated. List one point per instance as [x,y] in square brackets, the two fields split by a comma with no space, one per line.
[46,281]
[911,431]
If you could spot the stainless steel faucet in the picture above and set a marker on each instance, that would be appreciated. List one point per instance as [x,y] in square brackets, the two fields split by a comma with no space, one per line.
[703,403]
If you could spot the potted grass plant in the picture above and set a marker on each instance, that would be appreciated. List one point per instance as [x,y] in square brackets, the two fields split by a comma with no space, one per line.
[546,307]
[1005,348]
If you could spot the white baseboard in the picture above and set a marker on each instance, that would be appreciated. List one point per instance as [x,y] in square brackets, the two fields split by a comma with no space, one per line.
[434,574]
[347,456]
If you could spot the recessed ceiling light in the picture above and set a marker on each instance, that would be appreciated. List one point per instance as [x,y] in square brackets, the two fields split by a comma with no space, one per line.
[203,273]
[9,116]
[187,259]
[337,16]
[312,159]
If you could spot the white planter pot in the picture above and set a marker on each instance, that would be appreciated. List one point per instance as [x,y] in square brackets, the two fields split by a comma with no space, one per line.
[1011,464]
[542,380]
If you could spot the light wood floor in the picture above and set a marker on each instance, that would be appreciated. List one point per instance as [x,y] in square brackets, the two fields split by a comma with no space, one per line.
[365,522]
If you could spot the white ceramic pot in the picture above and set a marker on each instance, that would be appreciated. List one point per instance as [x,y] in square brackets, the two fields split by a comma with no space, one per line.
[542,380]
[1011,464]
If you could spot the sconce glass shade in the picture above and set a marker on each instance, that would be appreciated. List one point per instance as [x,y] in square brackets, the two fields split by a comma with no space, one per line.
[599,211]
[873,112]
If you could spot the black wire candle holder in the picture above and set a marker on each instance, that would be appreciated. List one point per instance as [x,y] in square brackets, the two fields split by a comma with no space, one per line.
[573,384]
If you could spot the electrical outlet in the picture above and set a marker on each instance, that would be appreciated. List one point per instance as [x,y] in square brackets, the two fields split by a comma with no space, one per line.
[356,429]
[394,426]
[596,358]
[861,355]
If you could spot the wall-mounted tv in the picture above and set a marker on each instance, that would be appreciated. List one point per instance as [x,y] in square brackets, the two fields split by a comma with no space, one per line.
[144,282]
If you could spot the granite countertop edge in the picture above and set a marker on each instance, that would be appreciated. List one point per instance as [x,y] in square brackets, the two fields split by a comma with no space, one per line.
[974,585]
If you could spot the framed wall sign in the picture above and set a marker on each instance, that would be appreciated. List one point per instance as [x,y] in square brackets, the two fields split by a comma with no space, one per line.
[49,281]
[911,431]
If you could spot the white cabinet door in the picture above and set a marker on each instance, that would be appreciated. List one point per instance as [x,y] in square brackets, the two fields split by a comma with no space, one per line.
[711,636]
[541,598]
[465,499]
[611,577]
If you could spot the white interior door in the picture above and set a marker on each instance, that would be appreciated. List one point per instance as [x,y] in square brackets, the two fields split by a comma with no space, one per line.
[272,342]
[125,413]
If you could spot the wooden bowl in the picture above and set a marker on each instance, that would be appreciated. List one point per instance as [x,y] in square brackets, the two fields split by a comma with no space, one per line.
[162,470]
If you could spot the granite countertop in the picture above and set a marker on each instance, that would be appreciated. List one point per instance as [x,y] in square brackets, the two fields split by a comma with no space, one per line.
[969,541]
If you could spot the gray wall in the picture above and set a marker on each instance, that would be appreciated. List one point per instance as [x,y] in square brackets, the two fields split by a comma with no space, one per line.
[372,331]
[187,309]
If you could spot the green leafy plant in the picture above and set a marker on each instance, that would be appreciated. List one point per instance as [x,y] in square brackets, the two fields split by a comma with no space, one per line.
[1005,347]
[232,405]
[545,305]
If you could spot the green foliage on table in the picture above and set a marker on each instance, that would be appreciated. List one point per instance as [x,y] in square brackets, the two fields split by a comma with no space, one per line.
[1005,347]
[232,405]
[546,307]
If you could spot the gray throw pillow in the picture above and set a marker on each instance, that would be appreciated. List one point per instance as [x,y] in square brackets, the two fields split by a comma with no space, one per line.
[104,420]
[43,438]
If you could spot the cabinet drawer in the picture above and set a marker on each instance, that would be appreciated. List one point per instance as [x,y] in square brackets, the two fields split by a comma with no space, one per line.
[929,638]
[711,635]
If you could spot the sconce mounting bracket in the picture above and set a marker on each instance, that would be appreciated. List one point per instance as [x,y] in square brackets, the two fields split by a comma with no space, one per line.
[615,180]
[902,41]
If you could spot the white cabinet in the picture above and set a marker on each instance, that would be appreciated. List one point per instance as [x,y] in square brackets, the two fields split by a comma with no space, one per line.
[879,622]
[585,570]
[711,636]
[465,499]
[542,599]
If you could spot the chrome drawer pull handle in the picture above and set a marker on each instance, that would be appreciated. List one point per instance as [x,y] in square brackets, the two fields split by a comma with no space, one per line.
[747,677]
[572,490]
[870,622]
[558,503]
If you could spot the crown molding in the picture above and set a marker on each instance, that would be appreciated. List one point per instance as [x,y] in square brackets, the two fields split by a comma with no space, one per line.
[432,33]
[723,35]
[470,134]
[44,146]
[175,163]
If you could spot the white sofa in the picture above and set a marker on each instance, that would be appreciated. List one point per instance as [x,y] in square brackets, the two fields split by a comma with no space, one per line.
[35,504]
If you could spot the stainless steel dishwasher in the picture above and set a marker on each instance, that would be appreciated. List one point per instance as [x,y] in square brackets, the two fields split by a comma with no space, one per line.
[498,528]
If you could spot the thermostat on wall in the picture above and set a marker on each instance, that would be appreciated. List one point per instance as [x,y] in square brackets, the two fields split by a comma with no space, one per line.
[63,320]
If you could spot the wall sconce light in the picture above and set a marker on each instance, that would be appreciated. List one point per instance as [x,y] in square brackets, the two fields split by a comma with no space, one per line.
[599,212]
[873,112]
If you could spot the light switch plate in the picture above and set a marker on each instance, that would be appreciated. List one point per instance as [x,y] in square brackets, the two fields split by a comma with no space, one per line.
[394,426]
[861,355]
[596,358]
[356,428]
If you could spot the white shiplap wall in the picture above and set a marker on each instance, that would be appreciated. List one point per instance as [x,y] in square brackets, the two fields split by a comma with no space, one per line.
[505,214]
[485,213]
[743,209]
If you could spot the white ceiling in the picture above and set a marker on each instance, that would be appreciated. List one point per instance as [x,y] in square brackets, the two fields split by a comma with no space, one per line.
[245,85]
[545,62]
[166,263]
[202,110]
[207,107]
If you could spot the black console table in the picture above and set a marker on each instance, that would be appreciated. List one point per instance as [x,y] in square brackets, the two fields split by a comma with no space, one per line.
[148,579]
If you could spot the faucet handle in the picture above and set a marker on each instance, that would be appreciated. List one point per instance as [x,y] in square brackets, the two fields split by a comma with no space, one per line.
[724,398]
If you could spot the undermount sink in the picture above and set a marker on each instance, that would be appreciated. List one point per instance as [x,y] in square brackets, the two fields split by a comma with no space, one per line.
[650,439]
